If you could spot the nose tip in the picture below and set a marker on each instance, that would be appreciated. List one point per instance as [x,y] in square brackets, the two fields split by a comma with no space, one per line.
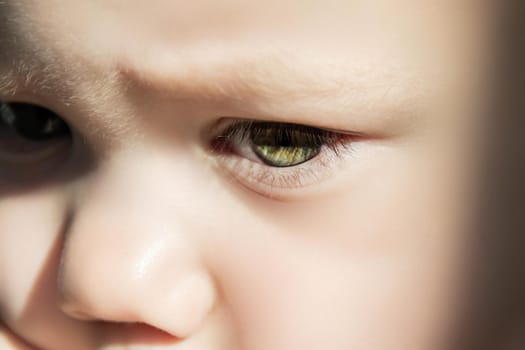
[178,311]
[161,284]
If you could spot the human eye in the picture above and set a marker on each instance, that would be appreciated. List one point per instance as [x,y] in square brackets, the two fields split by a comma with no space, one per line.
[276,158]
[31,138]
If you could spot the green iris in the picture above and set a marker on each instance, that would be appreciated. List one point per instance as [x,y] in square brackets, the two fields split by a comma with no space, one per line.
[285,156]
[285,145]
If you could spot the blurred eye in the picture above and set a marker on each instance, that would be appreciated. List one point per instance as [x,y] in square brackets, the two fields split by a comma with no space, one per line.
[33,122]
[29,133]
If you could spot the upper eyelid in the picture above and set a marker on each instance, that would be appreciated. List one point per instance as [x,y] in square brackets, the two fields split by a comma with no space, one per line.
[240,133]
[224,122]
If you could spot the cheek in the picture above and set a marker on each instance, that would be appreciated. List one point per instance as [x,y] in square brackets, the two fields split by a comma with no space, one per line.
[30,243]
[295,296]
[376,265]
[31,225]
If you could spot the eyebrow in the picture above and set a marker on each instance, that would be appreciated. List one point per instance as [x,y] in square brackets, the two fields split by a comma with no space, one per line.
[266,85]
[7,75]
[275,85]
[8,83]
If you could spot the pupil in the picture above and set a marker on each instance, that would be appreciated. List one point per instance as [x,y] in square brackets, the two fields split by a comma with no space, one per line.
[33,122]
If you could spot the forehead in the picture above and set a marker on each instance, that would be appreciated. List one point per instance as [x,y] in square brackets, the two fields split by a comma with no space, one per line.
[357,27]
[204,21]
[174,40]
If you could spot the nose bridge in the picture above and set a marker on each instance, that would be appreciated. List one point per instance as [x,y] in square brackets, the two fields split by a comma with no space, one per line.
[129,255]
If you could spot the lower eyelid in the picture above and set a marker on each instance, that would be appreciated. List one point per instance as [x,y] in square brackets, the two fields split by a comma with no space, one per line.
[282,182]
[19,151]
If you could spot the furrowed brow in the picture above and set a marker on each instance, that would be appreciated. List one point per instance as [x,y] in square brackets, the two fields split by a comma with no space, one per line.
[228,77]
[276,86]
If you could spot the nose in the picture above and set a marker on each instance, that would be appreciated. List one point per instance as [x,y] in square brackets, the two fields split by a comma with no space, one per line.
[130,256]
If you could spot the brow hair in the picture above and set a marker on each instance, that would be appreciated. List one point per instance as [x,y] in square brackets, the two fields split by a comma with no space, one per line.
[27,68]
[18,58]
[7,83]
[27,64]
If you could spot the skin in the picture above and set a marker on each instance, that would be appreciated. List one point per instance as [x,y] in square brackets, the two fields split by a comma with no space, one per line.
[140,238]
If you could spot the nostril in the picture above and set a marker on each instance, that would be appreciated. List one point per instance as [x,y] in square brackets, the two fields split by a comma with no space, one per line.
[136,334]
[124,332]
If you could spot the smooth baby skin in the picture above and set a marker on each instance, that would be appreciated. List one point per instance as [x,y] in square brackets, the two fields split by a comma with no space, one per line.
[138,236]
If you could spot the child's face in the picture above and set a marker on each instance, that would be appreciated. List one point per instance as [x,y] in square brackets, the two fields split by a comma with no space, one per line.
[163,208]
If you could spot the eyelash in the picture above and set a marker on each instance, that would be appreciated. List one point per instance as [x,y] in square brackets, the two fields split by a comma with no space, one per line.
[285,157]
[271,181]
